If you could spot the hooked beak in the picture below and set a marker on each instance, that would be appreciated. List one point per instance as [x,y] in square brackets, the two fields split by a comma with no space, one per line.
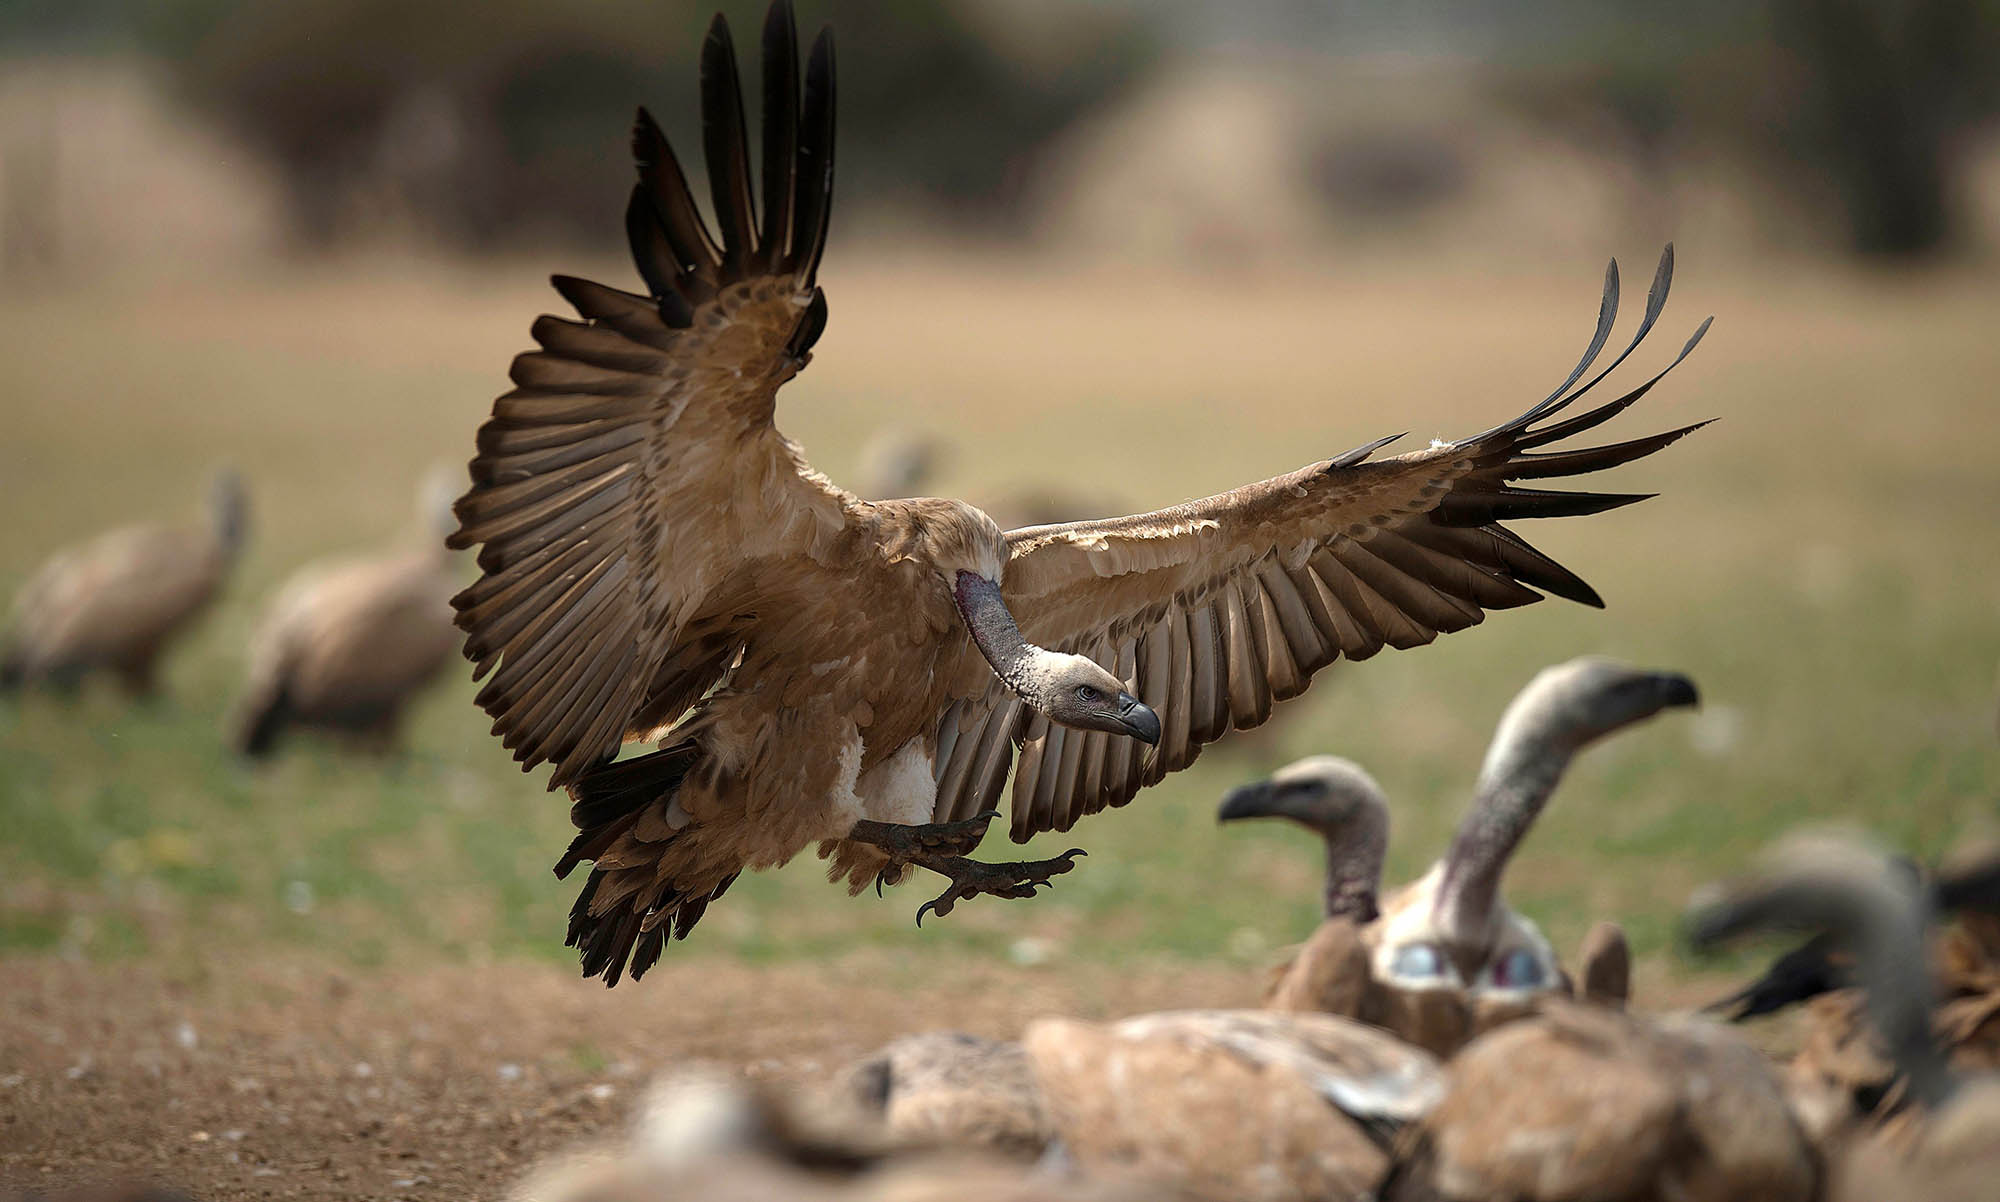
[1677,691]
[1253,800]
[1137,719]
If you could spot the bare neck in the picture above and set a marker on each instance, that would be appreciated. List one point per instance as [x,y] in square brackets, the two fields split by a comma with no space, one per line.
[1515,786]
[1354,856]
[1016,661]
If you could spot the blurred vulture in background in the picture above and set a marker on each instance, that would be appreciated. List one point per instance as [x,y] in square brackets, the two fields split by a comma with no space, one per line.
[1445,957]
[1943,1145]
[660,563]
[1841,1071]
[348,643]
[117,602]
[896,462]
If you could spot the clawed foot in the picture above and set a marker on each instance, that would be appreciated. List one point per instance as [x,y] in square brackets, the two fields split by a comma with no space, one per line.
[920,844]
[930,839]
[970,878]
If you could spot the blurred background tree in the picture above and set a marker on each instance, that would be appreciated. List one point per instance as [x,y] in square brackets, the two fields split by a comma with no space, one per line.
[494,121]
[1855,113]
[475,126]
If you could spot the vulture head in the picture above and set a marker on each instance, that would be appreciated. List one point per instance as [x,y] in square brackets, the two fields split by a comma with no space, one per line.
[1339,800]
[1859,898]
[1563,710]
[1071,690]
[228,510]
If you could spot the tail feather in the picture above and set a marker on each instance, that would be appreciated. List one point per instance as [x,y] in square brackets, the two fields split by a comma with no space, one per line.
[607,801]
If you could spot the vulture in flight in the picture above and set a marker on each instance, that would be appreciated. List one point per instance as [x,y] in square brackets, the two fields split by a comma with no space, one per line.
[660,564]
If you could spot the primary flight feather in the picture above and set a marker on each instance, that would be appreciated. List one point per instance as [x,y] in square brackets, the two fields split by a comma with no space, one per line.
[661,564]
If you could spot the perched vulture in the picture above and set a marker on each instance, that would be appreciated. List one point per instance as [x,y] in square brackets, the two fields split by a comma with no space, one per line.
[1945,1146]
[1232,1105]
[1585,1102]
[117,601]
[1445,957]
[1819,966]
[347,644]
[1845,1072]
[661,564]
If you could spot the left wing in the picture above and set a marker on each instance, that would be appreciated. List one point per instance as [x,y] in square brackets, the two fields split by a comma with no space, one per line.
[1216,610]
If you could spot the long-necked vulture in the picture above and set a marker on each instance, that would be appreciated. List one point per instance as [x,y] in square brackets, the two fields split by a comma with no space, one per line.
[116,602]
[1945,1144]
[1445,956]
[662,564]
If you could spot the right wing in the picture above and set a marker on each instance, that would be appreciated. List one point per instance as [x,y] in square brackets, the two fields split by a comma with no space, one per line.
[1216,610]
[633,474]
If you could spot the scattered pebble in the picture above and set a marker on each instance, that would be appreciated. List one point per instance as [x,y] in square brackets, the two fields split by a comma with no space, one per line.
[1248,943]
[184,1035]
[1030,950]
[299,897]
[509,1073]
[363,1069]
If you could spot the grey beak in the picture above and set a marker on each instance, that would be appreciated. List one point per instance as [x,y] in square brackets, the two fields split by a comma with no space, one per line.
[1246,801]
[1678,690]
[1138,719]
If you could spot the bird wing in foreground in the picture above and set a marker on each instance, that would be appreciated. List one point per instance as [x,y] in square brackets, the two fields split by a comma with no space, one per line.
[1215,610]
[633,477]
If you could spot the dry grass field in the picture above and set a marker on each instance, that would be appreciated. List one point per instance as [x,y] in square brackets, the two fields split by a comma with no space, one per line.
[1822,560]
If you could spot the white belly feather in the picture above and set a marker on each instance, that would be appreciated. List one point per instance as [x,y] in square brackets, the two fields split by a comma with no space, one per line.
[900,789]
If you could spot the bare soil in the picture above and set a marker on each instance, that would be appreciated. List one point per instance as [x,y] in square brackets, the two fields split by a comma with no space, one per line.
[275,1080]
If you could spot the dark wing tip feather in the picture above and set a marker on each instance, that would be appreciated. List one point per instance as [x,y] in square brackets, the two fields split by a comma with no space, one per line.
[726,144]
[1361,453]
[815,162]
[781,133]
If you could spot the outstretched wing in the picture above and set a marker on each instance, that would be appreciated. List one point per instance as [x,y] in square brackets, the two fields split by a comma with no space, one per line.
[1216,610]
[633,473]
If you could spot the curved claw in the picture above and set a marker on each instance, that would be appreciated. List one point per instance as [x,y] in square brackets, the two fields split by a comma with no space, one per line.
[878,888]
[940,905]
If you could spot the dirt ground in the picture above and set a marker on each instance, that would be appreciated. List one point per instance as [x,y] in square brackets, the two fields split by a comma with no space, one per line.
[265,1080]
[287,1080]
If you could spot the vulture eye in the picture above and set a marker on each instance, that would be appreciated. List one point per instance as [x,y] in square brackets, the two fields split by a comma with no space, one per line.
[1519,969]
[1086,694]
[1417,962]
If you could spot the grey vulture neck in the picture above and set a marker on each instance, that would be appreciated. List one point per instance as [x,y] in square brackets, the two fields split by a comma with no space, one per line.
[1859,898]
[1015,660]
[1354,864]
[1563,710]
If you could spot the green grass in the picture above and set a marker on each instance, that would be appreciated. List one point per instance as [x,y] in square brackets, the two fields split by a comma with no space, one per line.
[1823,562]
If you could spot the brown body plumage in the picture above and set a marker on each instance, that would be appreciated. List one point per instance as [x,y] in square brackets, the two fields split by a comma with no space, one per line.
[117,602]
[661,563]
[346,644]
[1586,1102]
[1236,1105]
